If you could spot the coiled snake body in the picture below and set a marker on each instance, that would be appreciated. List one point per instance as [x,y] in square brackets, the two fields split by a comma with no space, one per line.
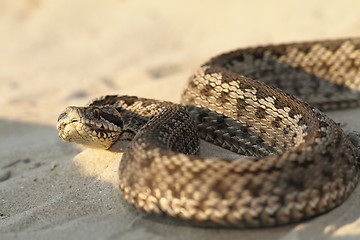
[303,164]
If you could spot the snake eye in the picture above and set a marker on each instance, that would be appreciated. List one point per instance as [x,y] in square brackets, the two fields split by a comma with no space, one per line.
[96,112]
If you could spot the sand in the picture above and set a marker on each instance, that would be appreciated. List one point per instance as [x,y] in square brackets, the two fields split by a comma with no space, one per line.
[57,53]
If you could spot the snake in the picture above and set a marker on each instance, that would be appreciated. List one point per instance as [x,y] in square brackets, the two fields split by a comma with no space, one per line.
[265,103]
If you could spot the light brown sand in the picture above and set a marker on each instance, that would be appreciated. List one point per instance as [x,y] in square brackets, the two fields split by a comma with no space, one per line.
[57,53]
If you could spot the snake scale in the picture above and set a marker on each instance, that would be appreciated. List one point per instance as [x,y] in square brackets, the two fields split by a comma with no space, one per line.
[302,163]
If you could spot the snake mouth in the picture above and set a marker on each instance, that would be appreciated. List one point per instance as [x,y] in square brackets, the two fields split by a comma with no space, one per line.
[102,130]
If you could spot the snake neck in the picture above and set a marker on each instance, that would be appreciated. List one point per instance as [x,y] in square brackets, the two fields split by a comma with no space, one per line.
[135,112]
[151,121]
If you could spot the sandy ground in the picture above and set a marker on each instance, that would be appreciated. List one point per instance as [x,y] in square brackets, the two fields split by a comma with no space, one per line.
[56,53]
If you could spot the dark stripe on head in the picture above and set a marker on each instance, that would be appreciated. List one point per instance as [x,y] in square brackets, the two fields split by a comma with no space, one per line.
[115,119]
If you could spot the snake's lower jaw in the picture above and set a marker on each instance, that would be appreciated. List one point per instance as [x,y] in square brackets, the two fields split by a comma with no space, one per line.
[68,133]
[63,137]
[80,135]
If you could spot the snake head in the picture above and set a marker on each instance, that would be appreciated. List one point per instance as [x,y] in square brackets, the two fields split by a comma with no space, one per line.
[94,127]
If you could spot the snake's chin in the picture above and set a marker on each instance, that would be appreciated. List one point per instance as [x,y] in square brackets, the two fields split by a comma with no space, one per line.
[81,134]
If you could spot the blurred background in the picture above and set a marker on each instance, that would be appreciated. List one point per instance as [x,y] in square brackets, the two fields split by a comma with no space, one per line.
[59,52]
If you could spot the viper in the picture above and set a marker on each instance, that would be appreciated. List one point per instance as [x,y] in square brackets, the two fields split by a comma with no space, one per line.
[301,162]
